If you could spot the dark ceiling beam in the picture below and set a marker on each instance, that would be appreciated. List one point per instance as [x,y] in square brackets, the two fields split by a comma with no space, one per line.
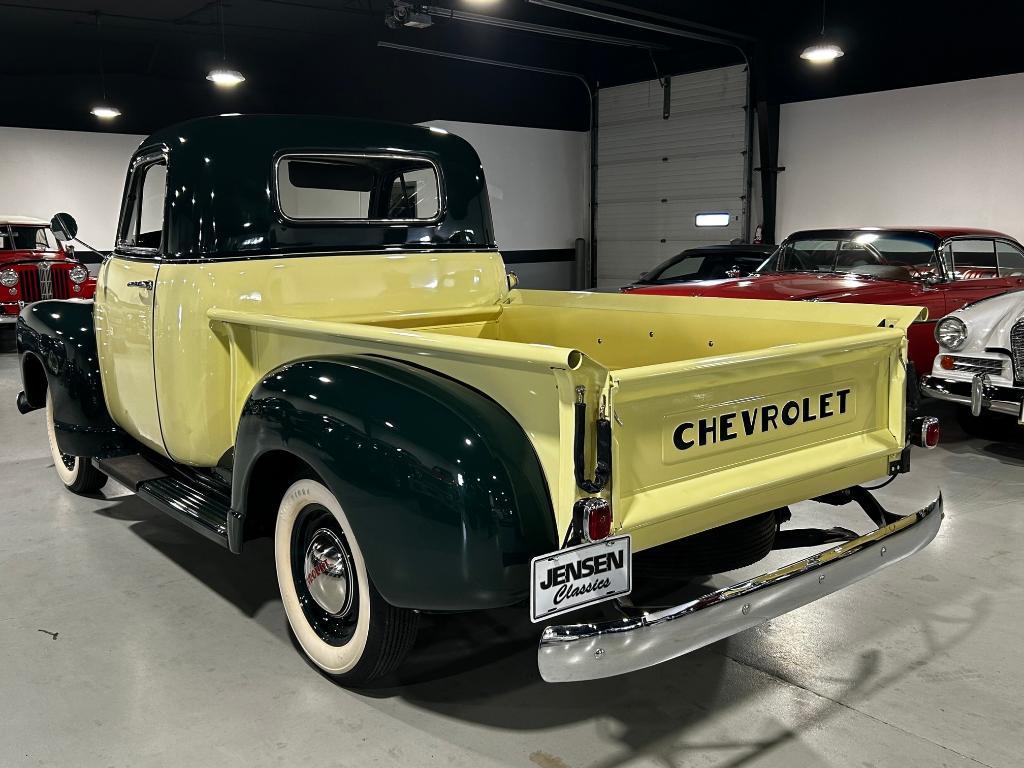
[672,19]
[187,22]
[351,7]
[539,29]
[489,62]
[639,24]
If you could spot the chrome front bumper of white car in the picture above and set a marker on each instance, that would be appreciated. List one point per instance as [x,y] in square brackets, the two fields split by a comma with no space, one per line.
[589,651]
[978,393]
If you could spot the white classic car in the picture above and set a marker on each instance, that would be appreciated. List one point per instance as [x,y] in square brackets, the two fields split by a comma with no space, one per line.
[981,357]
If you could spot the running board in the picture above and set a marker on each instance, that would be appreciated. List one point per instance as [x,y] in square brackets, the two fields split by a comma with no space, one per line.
[188,500]
[130,471]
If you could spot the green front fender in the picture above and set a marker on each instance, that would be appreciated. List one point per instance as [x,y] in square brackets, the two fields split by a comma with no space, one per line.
[58,353]
[442,487]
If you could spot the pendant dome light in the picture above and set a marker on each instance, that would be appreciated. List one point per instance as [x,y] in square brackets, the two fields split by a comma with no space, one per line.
[224,76]
[104,110]
[822,52]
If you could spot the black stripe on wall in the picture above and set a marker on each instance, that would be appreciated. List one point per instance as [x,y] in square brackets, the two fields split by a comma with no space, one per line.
[538,256]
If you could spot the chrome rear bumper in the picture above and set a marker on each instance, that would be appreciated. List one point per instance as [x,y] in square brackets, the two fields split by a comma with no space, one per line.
[978,394]
[590,651]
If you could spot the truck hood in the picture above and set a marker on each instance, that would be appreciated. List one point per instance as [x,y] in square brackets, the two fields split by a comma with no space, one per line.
[989,321]
[795,286]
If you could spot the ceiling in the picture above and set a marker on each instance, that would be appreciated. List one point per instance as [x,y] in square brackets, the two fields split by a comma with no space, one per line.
[322,56]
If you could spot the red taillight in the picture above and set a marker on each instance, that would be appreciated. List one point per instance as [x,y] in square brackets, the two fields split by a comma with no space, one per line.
[595,518]
[924,432]
[946,362]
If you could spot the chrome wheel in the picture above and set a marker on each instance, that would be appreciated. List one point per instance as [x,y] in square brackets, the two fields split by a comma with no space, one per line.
[328,571]
[325,581]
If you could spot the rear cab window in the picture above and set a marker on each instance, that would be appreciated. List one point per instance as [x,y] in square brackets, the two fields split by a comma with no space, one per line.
[358,188]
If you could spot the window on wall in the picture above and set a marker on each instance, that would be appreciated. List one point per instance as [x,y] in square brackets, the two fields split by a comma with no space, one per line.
[144,217]
[351,188]
[716,219]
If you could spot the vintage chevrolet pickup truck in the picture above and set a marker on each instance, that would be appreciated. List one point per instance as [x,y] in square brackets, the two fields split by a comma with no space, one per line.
[306,331]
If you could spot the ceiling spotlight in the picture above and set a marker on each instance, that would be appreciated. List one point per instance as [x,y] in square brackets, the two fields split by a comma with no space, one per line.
[225,78]
[105,112]
[821,53]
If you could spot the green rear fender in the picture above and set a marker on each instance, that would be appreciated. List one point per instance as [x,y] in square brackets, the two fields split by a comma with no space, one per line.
[441,485]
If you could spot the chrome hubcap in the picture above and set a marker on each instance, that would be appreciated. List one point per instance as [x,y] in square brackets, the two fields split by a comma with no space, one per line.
[328,572]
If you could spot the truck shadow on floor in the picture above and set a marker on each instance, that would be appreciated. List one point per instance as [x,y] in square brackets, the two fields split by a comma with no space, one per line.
[481,669]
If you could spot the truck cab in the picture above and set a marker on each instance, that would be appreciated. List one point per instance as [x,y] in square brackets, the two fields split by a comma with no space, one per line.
[306,331]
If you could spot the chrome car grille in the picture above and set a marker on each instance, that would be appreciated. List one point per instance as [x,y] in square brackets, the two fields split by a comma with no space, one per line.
[1017,350]
[45,283]
[978,365]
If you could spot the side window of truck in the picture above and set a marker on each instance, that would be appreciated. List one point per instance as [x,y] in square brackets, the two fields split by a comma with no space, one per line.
[144,217]
[357,188]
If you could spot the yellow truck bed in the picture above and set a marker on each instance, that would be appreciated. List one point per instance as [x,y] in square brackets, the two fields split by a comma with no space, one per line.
[720,408]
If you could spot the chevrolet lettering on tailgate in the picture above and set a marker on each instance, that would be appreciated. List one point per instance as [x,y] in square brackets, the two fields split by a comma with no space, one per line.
[760,419]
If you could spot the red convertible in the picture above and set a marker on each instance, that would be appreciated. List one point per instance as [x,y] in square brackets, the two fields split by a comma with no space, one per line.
[941,268]
[34,266]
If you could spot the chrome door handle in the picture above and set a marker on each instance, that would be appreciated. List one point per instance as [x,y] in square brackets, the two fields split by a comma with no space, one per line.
[147,284]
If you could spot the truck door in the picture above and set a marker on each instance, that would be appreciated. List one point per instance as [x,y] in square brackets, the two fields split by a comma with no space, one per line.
[125,302]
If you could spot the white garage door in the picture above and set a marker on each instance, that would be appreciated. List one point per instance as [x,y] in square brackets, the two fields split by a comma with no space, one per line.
[655,175]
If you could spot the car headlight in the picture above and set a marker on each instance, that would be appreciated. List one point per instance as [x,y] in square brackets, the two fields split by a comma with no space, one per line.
[951,333]
[78,274]
[8,278]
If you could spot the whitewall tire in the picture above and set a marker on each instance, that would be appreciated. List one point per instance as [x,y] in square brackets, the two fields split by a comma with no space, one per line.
[340,621]
[76,472]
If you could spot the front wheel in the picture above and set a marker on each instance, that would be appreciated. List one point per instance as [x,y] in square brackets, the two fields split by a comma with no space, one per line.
[76,472]
[341,622]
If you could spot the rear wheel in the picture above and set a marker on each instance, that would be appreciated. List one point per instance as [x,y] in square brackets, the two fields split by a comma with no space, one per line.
[340,621]
[76,472]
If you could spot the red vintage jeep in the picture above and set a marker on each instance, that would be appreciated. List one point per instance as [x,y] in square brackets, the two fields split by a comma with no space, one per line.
[34,266]
[940,268]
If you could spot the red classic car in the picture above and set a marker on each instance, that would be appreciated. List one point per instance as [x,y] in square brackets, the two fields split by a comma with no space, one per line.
[34,266]
[940,268]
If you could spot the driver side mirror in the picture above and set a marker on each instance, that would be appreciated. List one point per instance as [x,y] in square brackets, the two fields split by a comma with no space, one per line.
[64,227]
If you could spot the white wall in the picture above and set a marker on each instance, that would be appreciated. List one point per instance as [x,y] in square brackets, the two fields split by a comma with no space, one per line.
[42,172]
[538,181]
[949,154]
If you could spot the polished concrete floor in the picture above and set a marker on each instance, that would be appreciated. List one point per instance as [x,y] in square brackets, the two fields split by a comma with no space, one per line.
[127,640]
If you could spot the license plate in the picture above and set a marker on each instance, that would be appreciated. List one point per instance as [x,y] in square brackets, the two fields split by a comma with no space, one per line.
[572,578]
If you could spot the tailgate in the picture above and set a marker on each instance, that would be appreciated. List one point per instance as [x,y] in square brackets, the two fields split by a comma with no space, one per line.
[698,444]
